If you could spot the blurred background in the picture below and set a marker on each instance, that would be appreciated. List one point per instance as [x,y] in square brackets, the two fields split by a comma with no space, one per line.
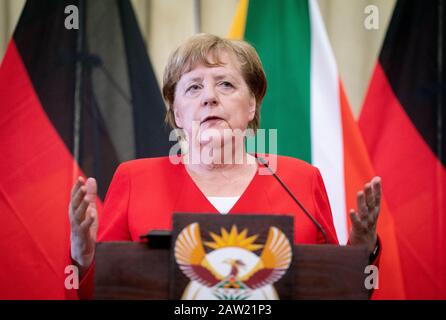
[166,23]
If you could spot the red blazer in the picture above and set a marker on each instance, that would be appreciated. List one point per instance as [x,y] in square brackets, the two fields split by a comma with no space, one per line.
[144,193]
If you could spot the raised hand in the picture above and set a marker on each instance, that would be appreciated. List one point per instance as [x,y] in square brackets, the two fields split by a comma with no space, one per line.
[364,221]
[83,222]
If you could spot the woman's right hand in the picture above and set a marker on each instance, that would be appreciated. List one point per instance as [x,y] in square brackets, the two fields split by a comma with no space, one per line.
[83,222]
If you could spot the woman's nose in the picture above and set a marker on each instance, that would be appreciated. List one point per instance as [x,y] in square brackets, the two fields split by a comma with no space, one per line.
[209,97]
[209,102]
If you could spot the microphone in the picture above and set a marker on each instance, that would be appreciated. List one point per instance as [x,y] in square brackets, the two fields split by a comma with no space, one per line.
[158,239]
[264,163]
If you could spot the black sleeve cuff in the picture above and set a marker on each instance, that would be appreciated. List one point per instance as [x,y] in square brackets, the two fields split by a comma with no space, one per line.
[375,252]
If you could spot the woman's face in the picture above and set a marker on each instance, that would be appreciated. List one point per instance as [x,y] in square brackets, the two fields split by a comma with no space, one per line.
[213,98]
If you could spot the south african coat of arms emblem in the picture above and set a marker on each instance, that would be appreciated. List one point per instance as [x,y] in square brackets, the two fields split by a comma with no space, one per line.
[230,269]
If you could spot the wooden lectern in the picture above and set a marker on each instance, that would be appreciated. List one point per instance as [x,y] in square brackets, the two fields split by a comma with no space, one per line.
[131,270]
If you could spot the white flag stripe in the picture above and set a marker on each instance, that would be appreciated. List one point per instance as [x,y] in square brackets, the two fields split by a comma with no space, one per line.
[327,149]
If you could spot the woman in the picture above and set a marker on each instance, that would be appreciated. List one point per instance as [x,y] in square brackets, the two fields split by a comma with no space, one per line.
[212,87]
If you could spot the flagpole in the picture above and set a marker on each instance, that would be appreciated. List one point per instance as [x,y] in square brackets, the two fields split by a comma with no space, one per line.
[78,90]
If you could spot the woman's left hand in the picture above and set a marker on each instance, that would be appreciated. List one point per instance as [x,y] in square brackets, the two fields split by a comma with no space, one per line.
[364,221]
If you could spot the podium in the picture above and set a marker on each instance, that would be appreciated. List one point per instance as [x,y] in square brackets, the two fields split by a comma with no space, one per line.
[207,256]
[131,270]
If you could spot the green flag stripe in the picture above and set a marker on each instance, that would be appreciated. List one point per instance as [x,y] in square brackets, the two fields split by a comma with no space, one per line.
[280,31]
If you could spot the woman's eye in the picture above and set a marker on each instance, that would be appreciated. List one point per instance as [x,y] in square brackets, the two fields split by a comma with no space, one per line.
[226,84]
[193,87]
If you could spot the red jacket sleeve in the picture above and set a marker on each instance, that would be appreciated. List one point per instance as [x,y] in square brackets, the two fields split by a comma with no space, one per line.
[113,225]
[323,210]
[113,222]
[325,217]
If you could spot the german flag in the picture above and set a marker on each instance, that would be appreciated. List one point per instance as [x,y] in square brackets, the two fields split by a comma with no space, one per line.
[403,124]
[73,101]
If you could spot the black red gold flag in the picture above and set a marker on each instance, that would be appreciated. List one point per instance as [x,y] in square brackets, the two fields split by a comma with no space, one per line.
[403,124]
[72,101]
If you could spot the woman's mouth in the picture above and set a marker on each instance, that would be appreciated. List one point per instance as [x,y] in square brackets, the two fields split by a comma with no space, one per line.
[211,120]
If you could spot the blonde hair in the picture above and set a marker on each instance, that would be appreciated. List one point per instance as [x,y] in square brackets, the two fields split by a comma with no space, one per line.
[197,49]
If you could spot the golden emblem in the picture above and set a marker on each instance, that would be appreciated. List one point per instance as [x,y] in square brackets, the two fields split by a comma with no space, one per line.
[232,270]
